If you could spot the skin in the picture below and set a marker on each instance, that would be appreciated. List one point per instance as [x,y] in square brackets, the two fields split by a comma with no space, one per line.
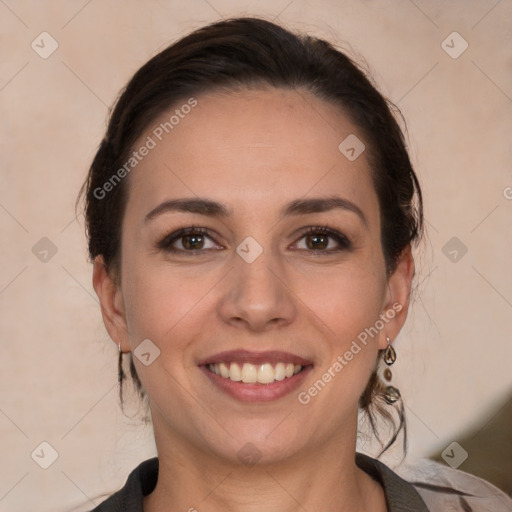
[254,151]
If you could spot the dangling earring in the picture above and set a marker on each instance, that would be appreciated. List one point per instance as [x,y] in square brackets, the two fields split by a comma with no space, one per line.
[391,394]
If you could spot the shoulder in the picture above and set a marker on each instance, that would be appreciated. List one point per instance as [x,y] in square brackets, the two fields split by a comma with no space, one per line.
[401,496]
[446,489]
[141,481]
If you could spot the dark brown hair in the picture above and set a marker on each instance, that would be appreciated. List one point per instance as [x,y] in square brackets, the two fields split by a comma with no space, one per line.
[247,53]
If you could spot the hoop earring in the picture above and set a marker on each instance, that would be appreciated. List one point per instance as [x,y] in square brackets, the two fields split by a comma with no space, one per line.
[391,394]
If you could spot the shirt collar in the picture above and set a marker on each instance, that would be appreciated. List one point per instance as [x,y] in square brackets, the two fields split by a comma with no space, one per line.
[401,496]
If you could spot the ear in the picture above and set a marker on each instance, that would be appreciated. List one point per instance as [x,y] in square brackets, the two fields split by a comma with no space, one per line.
[396,303]
[112,305]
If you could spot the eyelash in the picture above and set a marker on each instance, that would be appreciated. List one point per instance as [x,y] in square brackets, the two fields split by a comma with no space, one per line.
[166,243]
[343,242]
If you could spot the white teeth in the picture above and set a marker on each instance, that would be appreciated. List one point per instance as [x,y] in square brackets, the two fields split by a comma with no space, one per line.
[280,371]
[266,374]
[234,372]
[250,374]
[224,370]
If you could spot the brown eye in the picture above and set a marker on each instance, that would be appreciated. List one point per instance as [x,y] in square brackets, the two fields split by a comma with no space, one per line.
[188,240]
[323,240]
[317,241]
[192,241]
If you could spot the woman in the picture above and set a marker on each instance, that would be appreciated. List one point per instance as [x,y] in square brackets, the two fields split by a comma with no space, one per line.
[250,214]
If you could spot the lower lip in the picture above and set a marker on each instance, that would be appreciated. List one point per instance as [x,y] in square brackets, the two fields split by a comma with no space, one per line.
[258,392]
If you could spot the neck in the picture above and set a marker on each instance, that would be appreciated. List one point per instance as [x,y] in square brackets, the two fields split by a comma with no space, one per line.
[326,478]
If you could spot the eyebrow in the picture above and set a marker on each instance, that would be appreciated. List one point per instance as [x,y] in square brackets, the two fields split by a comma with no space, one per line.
[322,204]
[193,205]
[211,208]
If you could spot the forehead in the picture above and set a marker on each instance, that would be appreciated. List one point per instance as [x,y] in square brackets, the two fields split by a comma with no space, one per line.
[258,143]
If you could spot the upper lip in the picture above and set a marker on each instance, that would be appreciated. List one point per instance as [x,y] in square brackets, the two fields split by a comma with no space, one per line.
[246,356]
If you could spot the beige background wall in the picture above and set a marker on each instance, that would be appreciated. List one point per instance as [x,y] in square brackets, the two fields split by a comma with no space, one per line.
[57,365]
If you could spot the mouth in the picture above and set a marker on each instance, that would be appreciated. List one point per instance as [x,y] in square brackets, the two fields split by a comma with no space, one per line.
[248,373]
[256,376]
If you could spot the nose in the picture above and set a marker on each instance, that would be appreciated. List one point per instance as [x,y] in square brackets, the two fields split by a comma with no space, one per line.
[257,295]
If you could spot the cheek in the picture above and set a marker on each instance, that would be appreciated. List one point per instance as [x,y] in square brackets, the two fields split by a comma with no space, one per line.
[162,307]
[348,304]
[348,297]
[157,301]
[351,350]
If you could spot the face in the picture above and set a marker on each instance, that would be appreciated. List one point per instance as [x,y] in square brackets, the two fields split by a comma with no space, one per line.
[274,281]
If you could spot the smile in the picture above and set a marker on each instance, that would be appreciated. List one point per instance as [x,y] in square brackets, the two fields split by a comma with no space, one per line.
[250,376]
[248,373]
